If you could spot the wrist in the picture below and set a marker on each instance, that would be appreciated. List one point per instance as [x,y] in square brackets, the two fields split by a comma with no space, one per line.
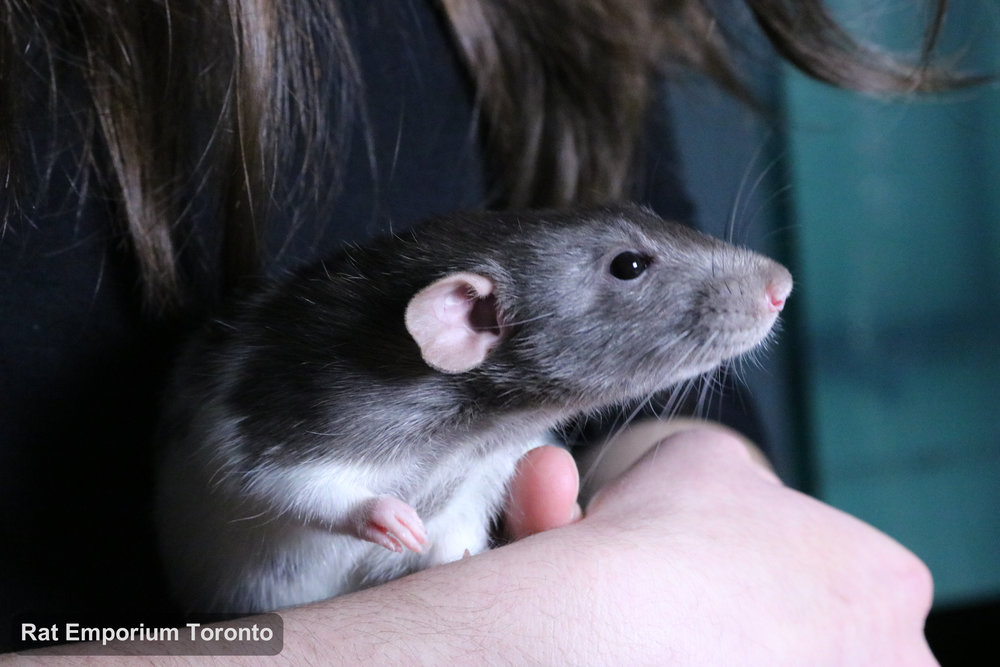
[515,602]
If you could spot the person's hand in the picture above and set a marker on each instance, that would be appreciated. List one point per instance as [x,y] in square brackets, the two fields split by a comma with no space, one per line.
[715,561]
[761,574]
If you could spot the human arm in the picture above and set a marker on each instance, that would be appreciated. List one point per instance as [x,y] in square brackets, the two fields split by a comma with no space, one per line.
[696,555]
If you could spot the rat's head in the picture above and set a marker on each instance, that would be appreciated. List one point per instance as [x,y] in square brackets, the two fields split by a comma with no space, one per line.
[592,307]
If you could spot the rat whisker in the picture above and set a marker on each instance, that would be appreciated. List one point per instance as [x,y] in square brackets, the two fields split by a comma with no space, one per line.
[536,318]
[605,445]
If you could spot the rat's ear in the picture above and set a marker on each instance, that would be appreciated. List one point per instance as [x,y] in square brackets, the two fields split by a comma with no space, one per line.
[454,321]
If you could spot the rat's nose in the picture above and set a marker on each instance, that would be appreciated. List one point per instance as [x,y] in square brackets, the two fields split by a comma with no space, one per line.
[779,286]
[777,302]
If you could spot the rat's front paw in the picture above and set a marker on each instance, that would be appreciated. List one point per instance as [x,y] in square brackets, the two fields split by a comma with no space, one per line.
[391,523]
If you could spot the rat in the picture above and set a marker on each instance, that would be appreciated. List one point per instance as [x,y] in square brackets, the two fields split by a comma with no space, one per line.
[360,418]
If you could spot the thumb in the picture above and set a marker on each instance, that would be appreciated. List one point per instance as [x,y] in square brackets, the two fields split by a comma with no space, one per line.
[543,492]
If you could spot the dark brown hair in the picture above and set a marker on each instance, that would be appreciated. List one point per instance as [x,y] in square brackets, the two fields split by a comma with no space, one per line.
[563,87]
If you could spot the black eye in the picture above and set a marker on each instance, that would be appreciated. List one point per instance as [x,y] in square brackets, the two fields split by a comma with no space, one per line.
[629,265]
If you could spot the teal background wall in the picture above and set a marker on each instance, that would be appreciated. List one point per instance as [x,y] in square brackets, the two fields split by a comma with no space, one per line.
[896,212]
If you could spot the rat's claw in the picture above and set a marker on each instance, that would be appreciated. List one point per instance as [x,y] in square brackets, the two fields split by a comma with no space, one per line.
[391,523]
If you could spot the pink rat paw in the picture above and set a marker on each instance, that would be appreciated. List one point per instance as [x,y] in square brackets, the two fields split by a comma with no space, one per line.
[391,523]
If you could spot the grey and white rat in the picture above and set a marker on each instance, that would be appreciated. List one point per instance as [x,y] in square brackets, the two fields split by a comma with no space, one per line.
[360,419]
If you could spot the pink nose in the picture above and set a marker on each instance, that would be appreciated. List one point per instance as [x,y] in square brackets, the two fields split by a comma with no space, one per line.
[776,295]
[779,286]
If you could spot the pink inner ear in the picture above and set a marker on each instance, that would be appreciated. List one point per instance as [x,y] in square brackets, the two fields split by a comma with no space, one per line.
[451,323]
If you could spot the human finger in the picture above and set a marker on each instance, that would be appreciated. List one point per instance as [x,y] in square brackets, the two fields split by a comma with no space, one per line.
[543,492]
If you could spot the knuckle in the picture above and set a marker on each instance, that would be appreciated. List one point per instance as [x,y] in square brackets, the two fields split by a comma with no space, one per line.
[915,580]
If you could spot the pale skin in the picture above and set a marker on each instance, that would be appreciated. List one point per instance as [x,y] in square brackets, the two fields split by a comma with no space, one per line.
[696,554]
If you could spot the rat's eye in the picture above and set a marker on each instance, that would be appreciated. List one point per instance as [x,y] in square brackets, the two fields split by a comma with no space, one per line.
[629,265]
